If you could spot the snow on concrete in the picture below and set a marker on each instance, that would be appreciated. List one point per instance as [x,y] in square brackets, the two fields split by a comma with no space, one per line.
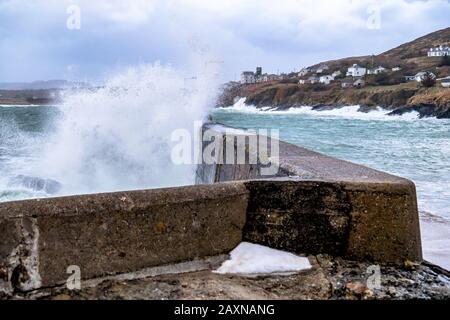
[250,259]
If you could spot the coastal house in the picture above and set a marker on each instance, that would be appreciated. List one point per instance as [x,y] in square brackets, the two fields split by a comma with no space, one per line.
[326,79]
[248,77]
[359,83]
[446,82]
[356,71]
[421,76]
[310,80]
[439,51]
[269,77]
[347,84]
[377,70]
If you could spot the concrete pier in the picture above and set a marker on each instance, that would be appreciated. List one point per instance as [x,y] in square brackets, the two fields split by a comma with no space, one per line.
[313,204]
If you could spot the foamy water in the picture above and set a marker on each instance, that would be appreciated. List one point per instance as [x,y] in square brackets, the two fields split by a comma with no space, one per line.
[342,112]
[418,149]
[115,138]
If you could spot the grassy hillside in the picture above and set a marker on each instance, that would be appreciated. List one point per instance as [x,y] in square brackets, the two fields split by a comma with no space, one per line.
[411,56]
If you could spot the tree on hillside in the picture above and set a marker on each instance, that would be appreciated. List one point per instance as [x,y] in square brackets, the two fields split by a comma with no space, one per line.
[445,61]
[428,80]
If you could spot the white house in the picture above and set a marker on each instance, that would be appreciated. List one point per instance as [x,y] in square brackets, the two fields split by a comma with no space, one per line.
[310,80]
[421,76]
[446,82]
[326,79]
[378,70]
[248,77]
[356,71]
[269,77]
[347,84]
[395,69]
[439,51]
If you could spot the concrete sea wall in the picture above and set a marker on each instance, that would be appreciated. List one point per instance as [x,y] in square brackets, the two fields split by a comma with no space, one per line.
[310,204]
[318,204]
[108,234]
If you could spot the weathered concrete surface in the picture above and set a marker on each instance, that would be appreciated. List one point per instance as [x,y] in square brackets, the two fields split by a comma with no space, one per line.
[319,204]
[116,233]
[384,224]
[303,217]
[330,278]
[358,221]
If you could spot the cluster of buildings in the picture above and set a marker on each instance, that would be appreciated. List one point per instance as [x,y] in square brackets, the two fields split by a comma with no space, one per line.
[353,77]
[355,73]
[439,51]
[250,77]
[420,76]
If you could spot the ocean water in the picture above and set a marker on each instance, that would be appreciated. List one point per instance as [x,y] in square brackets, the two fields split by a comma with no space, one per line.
[418,149]
[115,138]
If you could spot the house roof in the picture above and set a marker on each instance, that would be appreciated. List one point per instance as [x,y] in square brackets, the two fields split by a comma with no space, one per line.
[422,73]
[440,48]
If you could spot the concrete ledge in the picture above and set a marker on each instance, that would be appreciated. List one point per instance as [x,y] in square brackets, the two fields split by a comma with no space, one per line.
[354,221]
[116,233]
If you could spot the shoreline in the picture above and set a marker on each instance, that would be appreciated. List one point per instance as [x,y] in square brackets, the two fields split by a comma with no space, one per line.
[424,111]
[398,99]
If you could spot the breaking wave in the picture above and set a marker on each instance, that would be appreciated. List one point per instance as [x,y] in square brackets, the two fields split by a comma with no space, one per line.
[117,137]
[350,112]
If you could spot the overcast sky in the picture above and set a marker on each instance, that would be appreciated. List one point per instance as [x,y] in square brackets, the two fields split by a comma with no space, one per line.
[40,39]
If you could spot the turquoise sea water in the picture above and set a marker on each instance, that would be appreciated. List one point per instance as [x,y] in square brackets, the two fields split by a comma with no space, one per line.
[418,149]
